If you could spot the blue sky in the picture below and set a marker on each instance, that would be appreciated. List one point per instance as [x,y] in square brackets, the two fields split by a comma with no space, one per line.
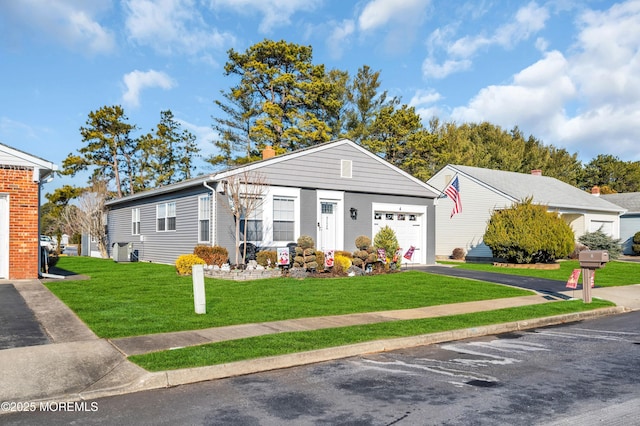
[565,71]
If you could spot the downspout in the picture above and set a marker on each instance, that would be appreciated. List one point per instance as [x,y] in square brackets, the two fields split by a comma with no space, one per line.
[213,210]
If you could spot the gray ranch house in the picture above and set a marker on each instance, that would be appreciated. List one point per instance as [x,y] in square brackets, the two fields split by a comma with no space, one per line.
[333,192]
[630,220]
[484,190]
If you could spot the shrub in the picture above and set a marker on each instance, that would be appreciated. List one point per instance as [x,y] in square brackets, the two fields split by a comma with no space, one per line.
[636,243]
[305,242]
[363,242]
[458,253]
[528,233]
[344,253]
[305,258]
[320,260]
[343,261]
[386,239]
[598,240]
[263,257]
[185,262]
[215,255]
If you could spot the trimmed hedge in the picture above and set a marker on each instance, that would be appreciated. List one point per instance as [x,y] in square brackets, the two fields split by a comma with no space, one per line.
[528,233]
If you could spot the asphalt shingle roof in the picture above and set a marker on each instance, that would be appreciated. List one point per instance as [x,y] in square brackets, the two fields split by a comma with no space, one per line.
[544,189]
[627,200]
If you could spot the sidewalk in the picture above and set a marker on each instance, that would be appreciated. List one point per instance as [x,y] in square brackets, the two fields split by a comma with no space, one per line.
[78,365]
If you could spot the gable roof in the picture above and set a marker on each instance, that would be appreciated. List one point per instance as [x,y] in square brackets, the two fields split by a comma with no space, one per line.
[256,165]
[14,157]
[543,189]
[626,200]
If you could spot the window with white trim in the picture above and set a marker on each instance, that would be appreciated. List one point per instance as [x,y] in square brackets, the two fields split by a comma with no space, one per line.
[135,221]
[166,217]
[283,218]
[204,218]
[253,223]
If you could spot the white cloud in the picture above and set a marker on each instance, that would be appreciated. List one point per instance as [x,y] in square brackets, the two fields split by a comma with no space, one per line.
[276,13]
[431,69]
[587,100]
[136,81]
[378,13]
[422,97]
[172,26]
[339,37]
[528,20]
[535,98]
[70,22]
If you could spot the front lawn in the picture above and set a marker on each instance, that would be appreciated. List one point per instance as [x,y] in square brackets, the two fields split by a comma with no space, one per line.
[130,299]
[613,274]
[285,343]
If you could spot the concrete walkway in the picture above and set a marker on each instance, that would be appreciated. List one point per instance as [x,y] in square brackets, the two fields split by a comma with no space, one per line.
[75,364]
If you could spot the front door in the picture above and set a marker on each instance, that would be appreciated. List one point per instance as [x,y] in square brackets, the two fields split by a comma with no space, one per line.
[328,225]
[4,237]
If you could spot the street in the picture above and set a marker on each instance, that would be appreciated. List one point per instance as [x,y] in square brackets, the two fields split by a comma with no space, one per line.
[582,373]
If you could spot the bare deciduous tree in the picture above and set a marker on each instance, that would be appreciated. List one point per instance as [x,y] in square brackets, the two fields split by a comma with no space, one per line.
[245,192]
[89,215]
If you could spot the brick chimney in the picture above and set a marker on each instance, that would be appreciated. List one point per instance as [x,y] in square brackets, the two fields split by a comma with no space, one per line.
[536,172]
[268,152]
[595,191]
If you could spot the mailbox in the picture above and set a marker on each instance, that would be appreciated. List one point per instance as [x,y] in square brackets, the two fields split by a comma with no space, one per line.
[593,259]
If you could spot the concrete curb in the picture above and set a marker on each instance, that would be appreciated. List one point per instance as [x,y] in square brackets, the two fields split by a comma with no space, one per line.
[138,379]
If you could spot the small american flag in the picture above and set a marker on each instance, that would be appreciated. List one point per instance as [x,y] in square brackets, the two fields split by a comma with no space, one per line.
[453,191]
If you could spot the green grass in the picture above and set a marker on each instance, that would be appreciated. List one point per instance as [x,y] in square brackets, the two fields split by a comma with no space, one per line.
[613,274]
[130,299]
[291,342]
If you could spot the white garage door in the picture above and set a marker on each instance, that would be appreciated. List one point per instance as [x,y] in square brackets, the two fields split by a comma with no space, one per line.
[408,224]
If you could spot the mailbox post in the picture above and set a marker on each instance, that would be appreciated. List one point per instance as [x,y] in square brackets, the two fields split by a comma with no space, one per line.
[590,260]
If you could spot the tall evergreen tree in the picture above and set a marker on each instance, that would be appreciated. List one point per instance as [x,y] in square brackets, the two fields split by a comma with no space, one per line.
[107,135]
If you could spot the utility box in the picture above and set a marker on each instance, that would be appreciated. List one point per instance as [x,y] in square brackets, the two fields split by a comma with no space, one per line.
[122,252]
[593,259]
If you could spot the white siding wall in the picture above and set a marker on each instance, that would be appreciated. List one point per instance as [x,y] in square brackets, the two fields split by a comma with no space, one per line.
[466,229]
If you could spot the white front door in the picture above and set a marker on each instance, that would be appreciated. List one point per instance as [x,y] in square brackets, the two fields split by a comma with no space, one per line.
[4,236]
[328,227]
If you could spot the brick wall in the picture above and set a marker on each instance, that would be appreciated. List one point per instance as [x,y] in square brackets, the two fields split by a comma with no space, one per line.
[24,241]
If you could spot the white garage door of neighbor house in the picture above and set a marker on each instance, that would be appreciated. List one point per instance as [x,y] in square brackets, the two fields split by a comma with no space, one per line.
[408,227]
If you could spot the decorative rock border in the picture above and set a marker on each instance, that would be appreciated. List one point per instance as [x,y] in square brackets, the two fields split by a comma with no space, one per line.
[246,275]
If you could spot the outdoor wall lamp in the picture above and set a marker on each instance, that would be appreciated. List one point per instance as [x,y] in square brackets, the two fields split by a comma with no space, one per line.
[354,213]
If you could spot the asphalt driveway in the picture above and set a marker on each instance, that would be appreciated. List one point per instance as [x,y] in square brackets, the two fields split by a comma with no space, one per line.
[18,324]
[542,285]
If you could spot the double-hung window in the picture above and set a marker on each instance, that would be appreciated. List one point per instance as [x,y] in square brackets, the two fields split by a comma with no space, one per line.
[135,221]
[283,218]
[204,217]
[166,217]
[253,229]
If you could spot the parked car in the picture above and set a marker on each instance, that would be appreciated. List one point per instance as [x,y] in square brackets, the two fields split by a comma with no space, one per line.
[47,242]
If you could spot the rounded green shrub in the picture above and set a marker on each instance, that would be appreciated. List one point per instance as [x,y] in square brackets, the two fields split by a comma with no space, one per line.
[343,261]
[264,256]
[636,243]
[387,240]
[305,242]
[185,262]
[528,233]
[363,242]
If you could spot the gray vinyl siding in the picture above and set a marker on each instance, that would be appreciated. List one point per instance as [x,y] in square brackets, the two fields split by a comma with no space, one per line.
[368,174]
[224,229]
[159,247]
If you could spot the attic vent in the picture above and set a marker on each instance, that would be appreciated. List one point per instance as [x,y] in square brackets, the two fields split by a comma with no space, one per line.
[345,168]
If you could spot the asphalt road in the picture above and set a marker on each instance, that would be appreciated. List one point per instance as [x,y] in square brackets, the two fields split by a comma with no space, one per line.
[584,373]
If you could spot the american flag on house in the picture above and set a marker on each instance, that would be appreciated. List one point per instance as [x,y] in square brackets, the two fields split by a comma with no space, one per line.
[453,192]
